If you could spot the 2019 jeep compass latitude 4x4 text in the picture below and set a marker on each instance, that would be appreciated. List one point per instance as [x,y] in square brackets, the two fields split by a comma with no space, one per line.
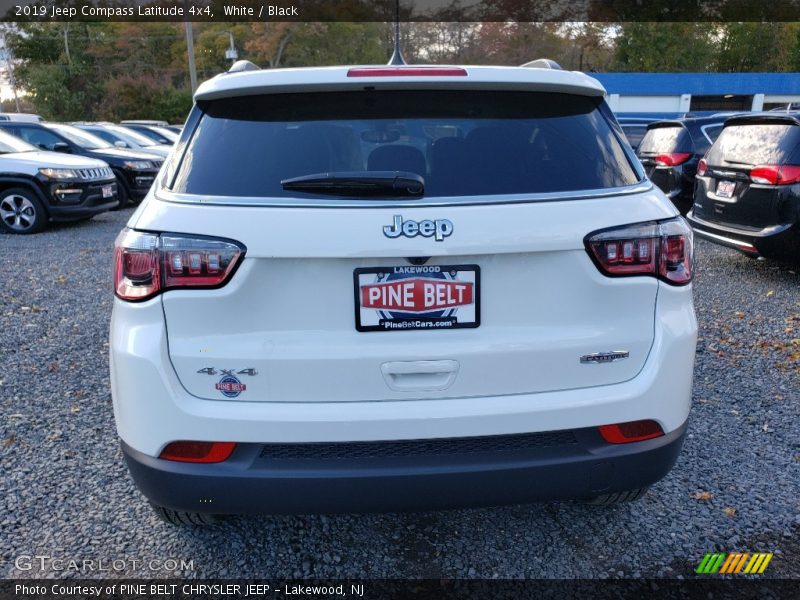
[381,288]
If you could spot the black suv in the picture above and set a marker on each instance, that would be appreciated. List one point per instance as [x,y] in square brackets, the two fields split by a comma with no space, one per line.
[135,171]
[670,152]
[748,187]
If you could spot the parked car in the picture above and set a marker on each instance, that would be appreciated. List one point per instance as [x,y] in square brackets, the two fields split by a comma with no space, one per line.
[670,152]
[135,171]
[380,288]
[160,135]
[122,137]
[748,187]
[25,117]
[37,187]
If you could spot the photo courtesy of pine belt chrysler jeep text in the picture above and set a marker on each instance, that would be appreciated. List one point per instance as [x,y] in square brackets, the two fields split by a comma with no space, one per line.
[398,288]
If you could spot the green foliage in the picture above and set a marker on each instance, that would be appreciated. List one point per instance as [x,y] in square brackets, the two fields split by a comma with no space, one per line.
[664,47]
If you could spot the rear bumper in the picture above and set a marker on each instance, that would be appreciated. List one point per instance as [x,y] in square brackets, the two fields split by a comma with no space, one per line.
[750,241]
[355,478]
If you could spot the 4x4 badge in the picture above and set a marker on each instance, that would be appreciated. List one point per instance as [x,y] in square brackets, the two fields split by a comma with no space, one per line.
[438,229]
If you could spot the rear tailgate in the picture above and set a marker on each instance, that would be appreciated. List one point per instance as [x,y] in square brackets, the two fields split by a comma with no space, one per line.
[288,314]
[514,181]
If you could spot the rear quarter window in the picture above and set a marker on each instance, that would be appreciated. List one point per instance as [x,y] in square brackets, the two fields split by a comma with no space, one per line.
[461,143]
[756,144]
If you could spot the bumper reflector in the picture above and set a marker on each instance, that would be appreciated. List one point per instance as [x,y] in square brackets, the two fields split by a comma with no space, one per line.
[198,452]
[633,431]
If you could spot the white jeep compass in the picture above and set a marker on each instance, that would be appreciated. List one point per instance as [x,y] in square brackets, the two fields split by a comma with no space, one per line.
[401,287]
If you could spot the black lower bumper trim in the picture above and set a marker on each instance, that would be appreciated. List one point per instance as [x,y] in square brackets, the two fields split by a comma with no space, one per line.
[249,482]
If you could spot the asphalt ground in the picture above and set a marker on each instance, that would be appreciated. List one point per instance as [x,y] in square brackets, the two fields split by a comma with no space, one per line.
[66,494]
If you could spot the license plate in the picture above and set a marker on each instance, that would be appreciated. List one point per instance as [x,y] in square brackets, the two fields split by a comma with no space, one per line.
[725,189]
[108,191]
[409,297]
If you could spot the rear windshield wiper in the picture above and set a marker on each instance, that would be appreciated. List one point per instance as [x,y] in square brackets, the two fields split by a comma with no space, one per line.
[359,183]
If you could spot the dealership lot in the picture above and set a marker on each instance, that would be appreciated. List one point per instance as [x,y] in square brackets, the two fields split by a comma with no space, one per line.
[65,493]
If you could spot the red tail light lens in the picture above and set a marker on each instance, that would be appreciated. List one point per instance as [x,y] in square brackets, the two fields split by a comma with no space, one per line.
[661,250]
[775,174]
[148,263]
[702,167]
[633,431]
[198,452]
[672,159]
[407,72]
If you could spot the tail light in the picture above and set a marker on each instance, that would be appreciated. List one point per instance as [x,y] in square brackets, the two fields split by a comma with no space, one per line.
[198,452]
[672,159]
[149,263]
[662,250]
[632,431]
[702,167]
[775,174]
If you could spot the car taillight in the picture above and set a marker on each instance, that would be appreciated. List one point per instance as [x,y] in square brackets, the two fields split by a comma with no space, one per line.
[632,431]
[422,71]
[662,250]
[702,167]
[198,452]
[149,263]
[775,174]
[672,159]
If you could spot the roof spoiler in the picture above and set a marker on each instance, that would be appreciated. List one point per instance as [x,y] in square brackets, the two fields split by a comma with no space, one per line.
[770,117]
[542,63]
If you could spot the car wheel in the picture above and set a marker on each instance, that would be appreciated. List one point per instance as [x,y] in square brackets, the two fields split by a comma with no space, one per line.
[184,517]
[616,497]
[123,195]
[21,211]
[787,250]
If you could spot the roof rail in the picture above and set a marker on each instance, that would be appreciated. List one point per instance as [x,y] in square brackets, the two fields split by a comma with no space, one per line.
[542,63]
[243,65]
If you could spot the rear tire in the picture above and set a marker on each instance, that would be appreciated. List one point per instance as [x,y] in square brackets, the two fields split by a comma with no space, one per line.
[184,517]
[21,211]
[787,250]
[617,497]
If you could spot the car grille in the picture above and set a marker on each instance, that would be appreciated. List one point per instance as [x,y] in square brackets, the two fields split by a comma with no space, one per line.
[404,448]
[97,173]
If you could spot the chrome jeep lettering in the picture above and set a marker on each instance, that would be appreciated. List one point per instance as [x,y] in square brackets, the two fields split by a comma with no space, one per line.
[438,229]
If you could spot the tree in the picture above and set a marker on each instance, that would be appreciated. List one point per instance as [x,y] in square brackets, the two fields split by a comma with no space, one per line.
[746,47]
[664,47]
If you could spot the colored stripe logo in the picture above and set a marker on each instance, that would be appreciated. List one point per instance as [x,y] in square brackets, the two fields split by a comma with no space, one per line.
[735,562]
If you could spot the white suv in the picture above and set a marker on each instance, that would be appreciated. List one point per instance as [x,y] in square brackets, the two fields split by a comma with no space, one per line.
[382,288]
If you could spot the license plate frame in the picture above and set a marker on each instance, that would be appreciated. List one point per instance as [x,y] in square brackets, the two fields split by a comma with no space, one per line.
[417,284]
[725,188]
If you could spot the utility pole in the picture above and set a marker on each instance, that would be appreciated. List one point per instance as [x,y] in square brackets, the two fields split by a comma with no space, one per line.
[190,48]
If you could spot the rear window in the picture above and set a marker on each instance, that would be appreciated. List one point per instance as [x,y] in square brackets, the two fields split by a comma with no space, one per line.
[461,143]
[666,139]
[756,144]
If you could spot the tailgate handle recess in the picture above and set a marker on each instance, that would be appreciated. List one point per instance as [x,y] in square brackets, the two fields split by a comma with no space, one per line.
[420,375]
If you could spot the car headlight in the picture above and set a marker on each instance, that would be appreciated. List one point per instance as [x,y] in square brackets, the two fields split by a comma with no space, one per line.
[138,165]
[59,173]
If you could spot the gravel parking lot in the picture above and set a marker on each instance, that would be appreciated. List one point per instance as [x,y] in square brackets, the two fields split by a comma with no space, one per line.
[65,492]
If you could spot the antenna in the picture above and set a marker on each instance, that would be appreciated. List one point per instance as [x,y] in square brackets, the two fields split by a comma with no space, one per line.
[397,56]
